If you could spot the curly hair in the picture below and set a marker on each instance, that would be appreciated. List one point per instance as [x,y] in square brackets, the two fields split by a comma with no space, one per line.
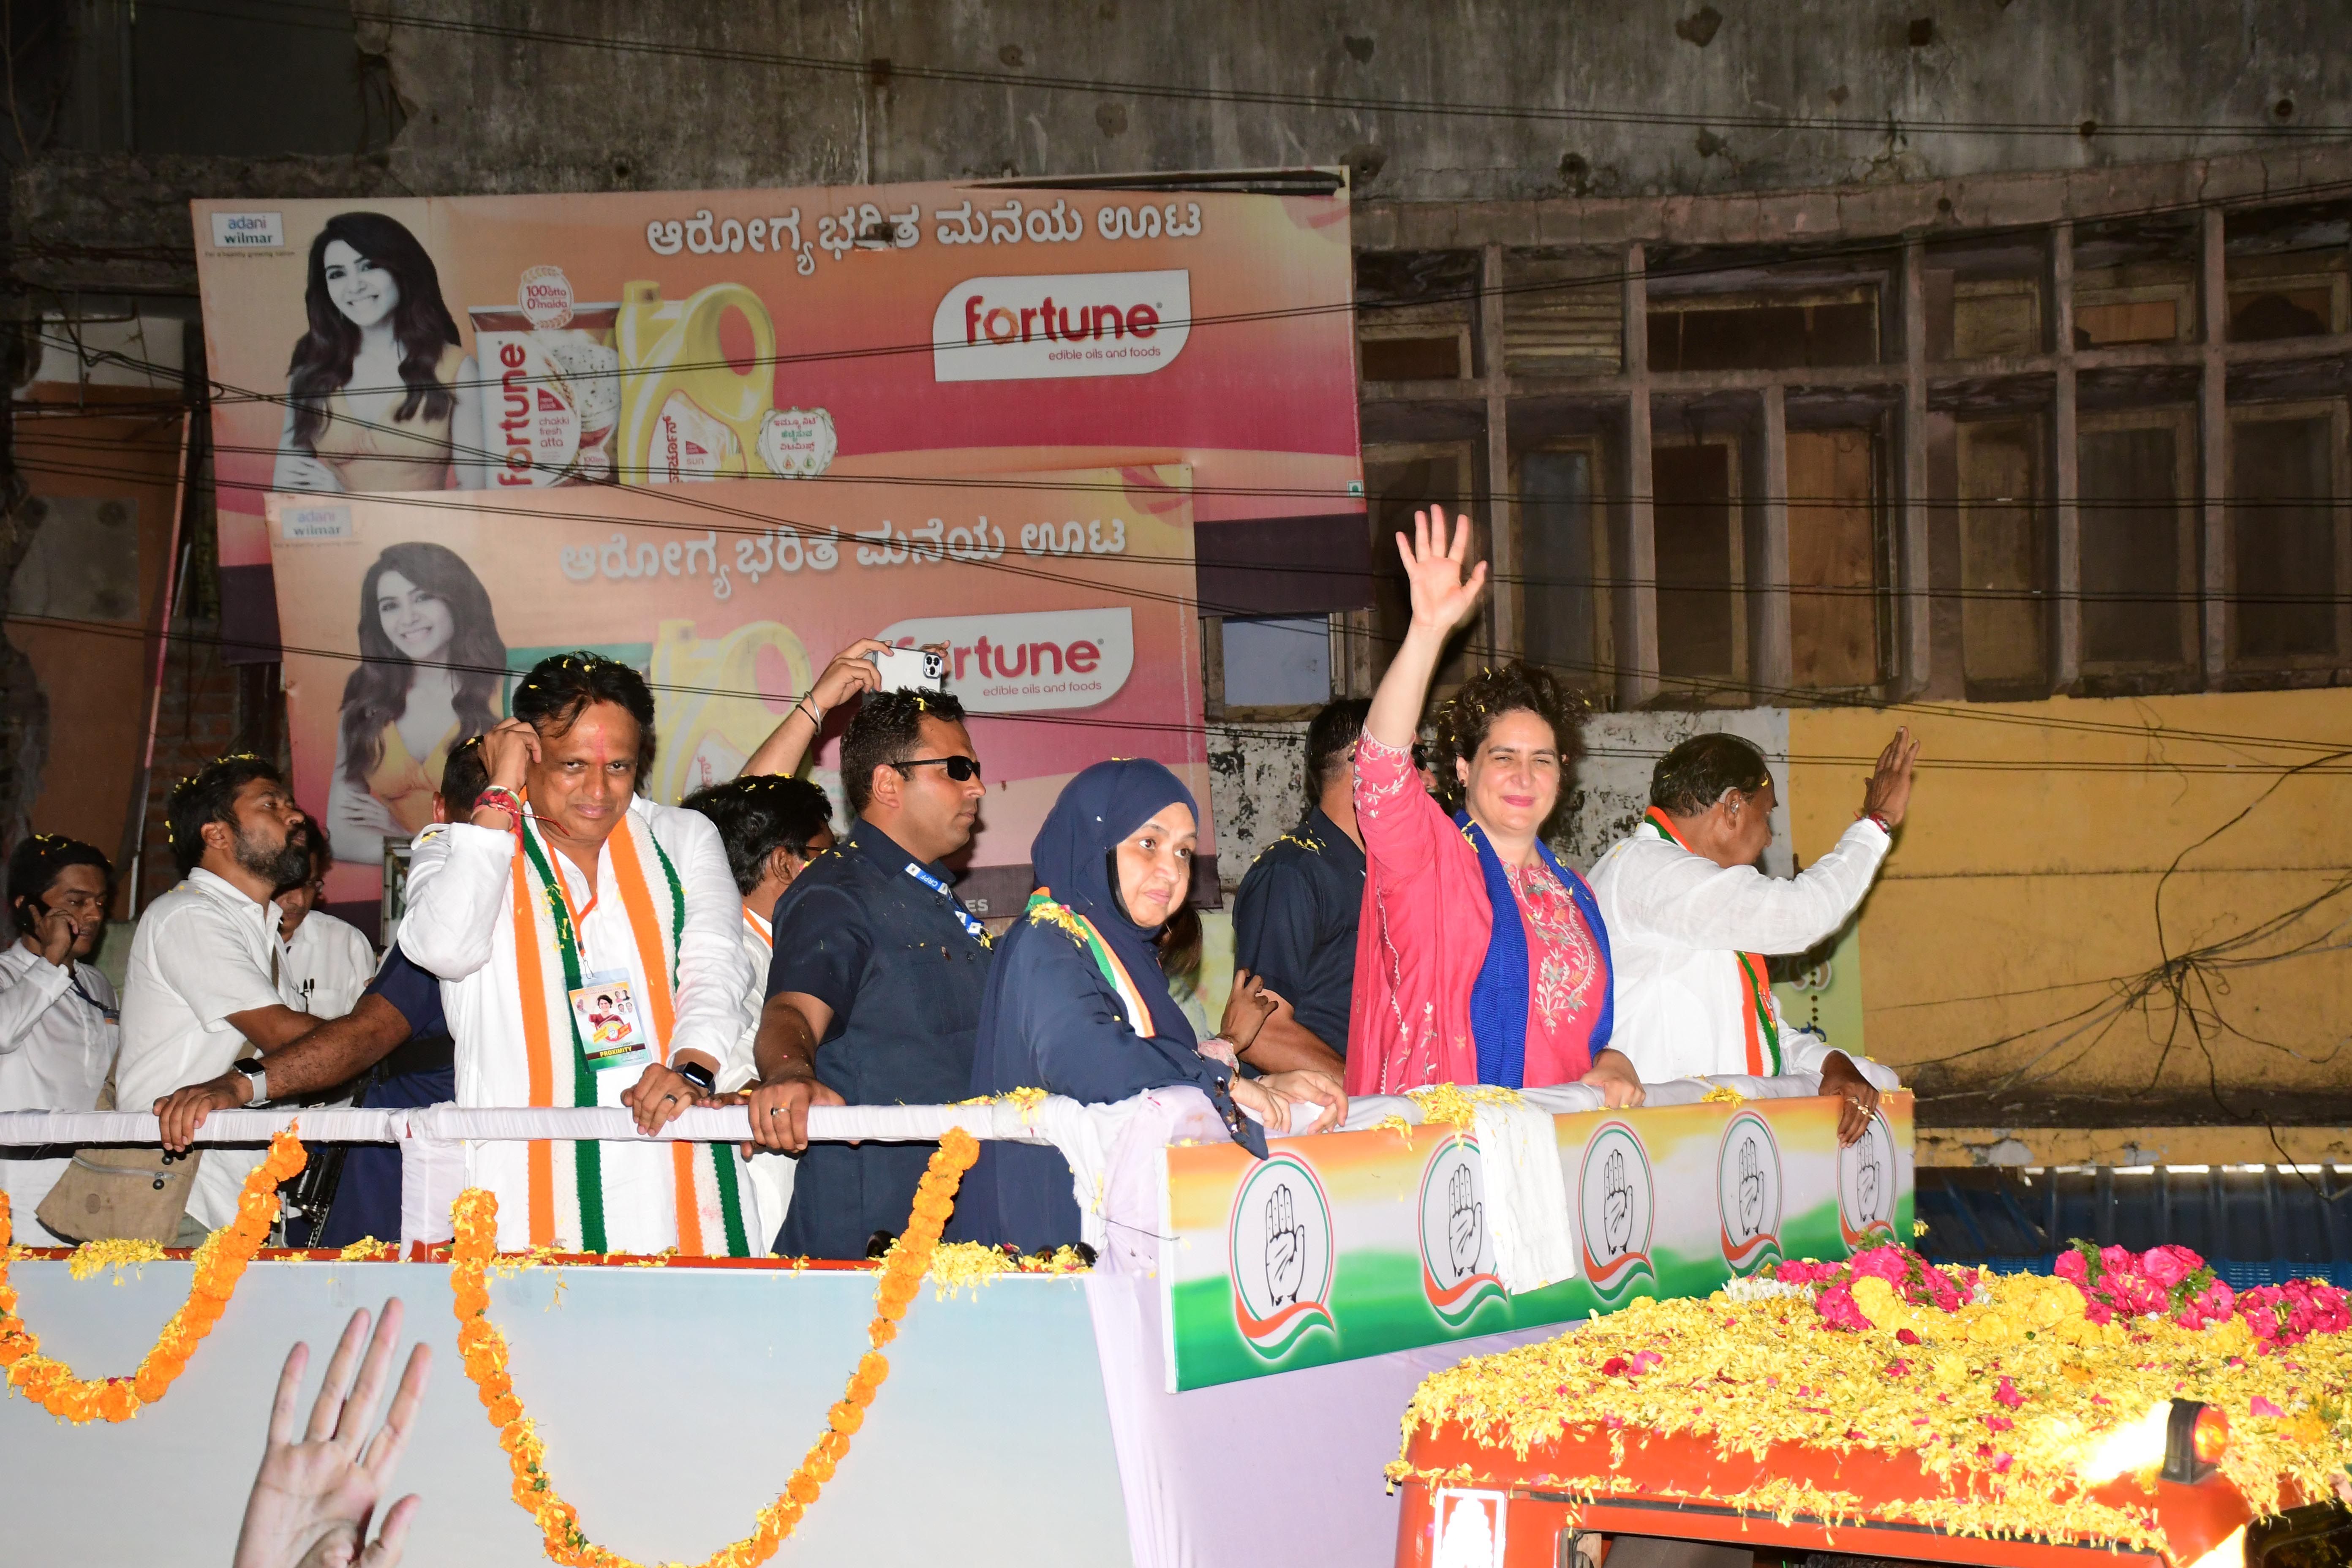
[1465,720]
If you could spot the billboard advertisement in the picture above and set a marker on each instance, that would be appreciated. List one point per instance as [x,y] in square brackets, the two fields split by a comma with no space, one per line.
[918,333]
[1359,1244]
[1062,602]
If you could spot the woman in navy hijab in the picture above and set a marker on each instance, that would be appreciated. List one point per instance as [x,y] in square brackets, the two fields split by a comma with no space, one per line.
[1076,1005]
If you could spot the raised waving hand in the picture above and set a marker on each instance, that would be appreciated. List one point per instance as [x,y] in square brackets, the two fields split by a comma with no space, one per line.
[317,1494]
[1443,594]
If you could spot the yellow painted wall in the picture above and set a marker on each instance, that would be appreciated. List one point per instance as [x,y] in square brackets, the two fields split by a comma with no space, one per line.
[2020,903]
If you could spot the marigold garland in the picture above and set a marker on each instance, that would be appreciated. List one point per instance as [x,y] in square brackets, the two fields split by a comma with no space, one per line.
[220,1263]
[475,1215]
[1999,1384]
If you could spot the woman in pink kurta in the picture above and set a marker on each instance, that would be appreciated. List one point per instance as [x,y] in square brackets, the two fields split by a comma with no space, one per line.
[1442,995]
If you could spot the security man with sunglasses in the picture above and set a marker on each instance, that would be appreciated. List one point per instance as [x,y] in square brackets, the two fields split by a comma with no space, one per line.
[874,991]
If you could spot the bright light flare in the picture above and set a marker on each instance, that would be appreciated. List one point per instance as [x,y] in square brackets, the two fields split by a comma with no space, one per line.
[2138,1445]
[2209,1438]
[2229,1553]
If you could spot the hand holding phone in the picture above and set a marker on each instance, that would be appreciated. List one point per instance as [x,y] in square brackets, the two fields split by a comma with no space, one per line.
[910,668]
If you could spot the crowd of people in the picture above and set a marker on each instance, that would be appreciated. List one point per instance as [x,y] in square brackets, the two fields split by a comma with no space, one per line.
[568,941]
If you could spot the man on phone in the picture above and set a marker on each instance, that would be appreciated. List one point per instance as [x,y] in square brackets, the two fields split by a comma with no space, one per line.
[57,1032]
[874,991]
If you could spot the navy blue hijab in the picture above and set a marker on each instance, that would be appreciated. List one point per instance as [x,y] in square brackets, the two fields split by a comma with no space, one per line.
[1074,859]
[1041,1025]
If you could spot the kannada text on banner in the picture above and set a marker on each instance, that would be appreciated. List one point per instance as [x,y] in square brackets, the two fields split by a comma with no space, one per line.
[1063,602]
[922,331]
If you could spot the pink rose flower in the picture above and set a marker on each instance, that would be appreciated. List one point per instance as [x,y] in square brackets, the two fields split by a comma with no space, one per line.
[2217,1300]
[2118,1260]
[2074,1269]
[2007,1394]
[2261,1406]
[2098,1312]
[1838,1309]
[1998,1423]
[1886,1263]
[2169,1266]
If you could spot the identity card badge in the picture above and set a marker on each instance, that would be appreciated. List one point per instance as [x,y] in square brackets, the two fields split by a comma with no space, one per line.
[606,1008]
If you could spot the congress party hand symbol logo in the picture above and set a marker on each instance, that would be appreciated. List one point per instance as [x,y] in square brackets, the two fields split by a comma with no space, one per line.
[1463,1233]
[1751,1189]
[1868,1185]
[1615,1204]
[1457,1256]
[1281,1254]
[1748,1191]
[1286,1247]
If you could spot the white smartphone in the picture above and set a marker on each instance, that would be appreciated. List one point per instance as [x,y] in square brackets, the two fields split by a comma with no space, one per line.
[910,669]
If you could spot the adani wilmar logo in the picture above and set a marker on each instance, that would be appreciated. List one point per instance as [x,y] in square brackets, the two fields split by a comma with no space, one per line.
[1071,323]
[1027,662]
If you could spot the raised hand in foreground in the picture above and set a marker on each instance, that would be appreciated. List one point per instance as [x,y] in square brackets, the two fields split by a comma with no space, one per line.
[315,1496]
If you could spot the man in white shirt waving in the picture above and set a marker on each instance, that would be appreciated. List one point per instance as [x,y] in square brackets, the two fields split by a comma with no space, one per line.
[207,972]
[590,950]
[57,1014]
[1691,918]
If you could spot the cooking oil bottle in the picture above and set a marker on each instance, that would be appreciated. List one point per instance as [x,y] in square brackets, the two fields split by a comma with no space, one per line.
[685,413]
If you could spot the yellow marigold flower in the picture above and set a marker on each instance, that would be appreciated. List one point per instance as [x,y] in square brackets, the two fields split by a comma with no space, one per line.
[1877,1300]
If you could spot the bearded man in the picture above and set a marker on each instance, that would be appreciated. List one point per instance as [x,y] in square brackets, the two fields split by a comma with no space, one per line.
[208,983]
[590,951]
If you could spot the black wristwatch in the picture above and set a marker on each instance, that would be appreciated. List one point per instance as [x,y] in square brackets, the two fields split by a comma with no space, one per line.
[697,1075]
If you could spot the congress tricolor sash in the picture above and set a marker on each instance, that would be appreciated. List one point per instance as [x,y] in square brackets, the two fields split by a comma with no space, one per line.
[566,1179]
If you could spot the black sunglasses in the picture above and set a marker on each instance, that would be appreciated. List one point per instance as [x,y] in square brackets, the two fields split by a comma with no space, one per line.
[963,770]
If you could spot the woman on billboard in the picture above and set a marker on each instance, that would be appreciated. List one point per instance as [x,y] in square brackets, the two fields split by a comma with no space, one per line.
[430,678]
[379,395]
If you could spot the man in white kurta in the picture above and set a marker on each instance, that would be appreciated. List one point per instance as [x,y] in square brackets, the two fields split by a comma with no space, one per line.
[1690,919]
[461,923]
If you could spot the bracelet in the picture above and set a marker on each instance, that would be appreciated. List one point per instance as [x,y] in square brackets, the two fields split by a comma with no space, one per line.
[815,714]
[500,799]
[1883,825]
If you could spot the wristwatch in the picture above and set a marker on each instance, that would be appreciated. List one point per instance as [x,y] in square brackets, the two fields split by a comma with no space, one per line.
[252,1067]
[697,1075]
